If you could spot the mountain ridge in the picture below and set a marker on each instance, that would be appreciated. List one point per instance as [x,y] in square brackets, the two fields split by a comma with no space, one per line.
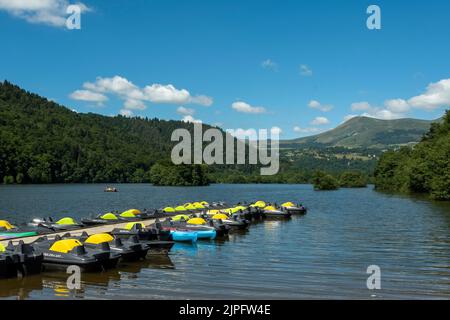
[367,132]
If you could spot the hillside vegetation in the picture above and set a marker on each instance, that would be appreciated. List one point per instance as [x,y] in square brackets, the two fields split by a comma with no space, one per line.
[424,168]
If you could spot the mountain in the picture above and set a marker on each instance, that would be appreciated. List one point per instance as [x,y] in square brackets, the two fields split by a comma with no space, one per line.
[43,142]
[365,132]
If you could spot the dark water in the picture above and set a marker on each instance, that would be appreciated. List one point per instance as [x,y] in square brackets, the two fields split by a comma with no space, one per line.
[324,254]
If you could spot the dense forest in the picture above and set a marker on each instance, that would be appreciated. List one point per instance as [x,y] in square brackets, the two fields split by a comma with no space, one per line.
[425,168]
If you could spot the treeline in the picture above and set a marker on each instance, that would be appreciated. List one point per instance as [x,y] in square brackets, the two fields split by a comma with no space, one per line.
[347,179]
[425,168]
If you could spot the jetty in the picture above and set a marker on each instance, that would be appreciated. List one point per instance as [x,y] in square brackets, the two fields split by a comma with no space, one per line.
[90,230]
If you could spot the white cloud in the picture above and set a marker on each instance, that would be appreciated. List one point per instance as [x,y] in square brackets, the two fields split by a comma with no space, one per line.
[190,119]
[383,114]
[437,95]
[269,64]
[397,105]
[244,107]
[358,106]
[201,100]
[49,12]
[126,113]
[305,70]
[133,104]
[86,95]
[314,104]
[158,93]
[185,111]
[320,121]
[134,97]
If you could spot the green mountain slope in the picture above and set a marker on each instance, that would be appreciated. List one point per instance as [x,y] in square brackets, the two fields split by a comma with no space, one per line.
[364,132]
[43,142]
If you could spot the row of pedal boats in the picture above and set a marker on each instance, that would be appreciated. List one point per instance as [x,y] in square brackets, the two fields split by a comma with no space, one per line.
[133,242]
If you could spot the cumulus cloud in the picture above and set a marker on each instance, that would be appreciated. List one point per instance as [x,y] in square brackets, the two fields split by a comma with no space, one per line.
[436,96]
[358,106]
[320,121]
[86,95]
[269,64]
[134,104]
[244,107]
[135,97]
[314,104]
[185,111]
[48,12]
[126,113]
[397,105]
[305,70]
[190,119]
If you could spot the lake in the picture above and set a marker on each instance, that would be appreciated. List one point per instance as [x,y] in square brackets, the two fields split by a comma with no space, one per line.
[322,255]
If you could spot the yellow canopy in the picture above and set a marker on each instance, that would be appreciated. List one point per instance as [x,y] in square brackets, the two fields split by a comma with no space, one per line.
[260,204]
[66,221]
[109,216]
[180,216]
[64,246]
[198,205]
[187,204]
[190,206]
[99,238]
[220,216]
[130,213]
[237,208]
[5,224]
[228,210]
[288,204]
[270,208]
[180,208]
[204,203]
[196,221]
[130,225]
[168,210]
[2,248]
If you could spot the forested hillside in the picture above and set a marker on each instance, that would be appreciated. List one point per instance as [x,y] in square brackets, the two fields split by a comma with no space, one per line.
[43,142]
[424,168]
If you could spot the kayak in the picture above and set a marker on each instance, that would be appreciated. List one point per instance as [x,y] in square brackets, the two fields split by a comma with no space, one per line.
[183,236]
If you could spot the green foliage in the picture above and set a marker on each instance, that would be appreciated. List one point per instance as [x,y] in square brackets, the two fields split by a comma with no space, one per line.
[424,168]
[353,179]
[43,142]
[168,174]
[324,181]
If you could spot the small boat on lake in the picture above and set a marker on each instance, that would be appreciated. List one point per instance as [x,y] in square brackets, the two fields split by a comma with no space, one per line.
[272,212]
[111,189]
[293,208]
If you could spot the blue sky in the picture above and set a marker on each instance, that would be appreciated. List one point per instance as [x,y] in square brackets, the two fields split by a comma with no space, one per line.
[301,66]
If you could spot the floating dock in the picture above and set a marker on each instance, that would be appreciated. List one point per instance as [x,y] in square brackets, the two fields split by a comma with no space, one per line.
[76,232]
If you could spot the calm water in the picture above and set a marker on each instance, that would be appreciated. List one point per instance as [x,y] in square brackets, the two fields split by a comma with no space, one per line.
[324,254]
